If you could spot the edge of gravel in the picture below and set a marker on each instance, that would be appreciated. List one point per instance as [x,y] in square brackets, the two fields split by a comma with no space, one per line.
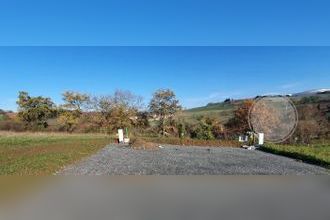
[110,147]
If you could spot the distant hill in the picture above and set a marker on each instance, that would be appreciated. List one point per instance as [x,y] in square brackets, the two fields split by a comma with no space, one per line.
[222,111]
[312,92]
[212,107]
[225,110]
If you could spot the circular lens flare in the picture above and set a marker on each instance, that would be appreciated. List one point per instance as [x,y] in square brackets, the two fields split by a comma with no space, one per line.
[276,117]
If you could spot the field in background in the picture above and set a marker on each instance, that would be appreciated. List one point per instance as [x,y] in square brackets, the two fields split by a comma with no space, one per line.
[221,111]
[45,153]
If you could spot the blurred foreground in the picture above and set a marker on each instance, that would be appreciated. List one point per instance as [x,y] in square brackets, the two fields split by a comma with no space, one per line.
[165,198]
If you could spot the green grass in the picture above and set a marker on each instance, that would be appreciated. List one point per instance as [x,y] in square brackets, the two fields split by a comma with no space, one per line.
[318,154]
[212,107]
[44,154]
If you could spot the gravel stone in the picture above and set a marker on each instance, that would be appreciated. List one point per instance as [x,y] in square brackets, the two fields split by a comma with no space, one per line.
[189,160]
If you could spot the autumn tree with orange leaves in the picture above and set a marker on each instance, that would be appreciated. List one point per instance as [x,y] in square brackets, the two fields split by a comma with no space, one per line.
[239,123]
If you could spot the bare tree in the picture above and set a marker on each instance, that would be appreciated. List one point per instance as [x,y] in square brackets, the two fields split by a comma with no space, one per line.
[116,111]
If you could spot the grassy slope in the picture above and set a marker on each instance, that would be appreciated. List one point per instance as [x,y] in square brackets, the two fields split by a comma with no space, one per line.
[221,111]
[224,111]
[318,154]
[43,154]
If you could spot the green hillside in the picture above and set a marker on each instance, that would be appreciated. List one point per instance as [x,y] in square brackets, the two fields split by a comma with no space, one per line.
[223,111]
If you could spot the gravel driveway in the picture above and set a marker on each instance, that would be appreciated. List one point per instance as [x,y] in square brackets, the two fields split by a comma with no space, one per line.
[176,160]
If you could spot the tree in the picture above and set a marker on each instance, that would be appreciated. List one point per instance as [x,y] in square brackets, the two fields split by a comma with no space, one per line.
[239,123]
[269,117]
[70,119]
[35,111]
[71,110]
[101,107]
[164,106]
[218,130]
[203,130]
[142,121]
[75,100]
[228,100]
[207,128]
[306,131]
[116,111]
[312,124]
[181,129]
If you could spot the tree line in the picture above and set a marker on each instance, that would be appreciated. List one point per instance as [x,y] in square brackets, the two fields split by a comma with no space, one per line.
[86,113]
[162,116]
[81,112]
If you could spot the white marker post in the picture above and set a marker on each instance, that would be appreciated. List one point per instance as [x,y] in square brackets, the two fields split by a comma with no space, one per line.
[261,137]
[120,135]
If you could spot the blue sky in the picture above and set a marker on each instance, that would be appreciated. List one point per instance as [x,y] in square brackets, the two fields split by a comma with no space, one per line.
[165,22]
[198,75]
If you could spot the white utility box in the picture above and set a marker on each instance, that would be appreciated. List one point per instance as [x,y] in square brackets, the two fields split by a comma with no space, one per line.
[261,137]
[120,135]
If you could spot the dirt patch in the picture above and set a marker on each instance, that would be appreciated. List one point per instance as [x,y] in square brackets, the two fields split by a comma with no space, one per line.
[139,144]
[192,142]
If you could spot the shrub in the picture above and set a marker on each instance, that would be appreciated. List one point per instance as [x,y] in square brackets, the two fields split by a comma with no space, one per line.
[10,125]
[206,129]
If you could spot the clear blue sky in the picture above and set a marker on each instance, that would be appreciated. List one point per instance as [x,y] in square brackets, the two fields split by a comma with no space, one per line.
[197,74]
[164,22]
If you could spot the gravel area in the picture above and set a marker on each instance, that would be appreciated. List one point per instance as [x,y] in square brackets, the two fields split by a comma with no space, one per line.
[178,160]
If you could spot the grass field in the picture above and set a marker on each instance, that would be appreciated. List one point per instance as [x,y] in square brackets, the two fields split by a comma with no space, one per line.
[318,154]
[220,111]
[45,153]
